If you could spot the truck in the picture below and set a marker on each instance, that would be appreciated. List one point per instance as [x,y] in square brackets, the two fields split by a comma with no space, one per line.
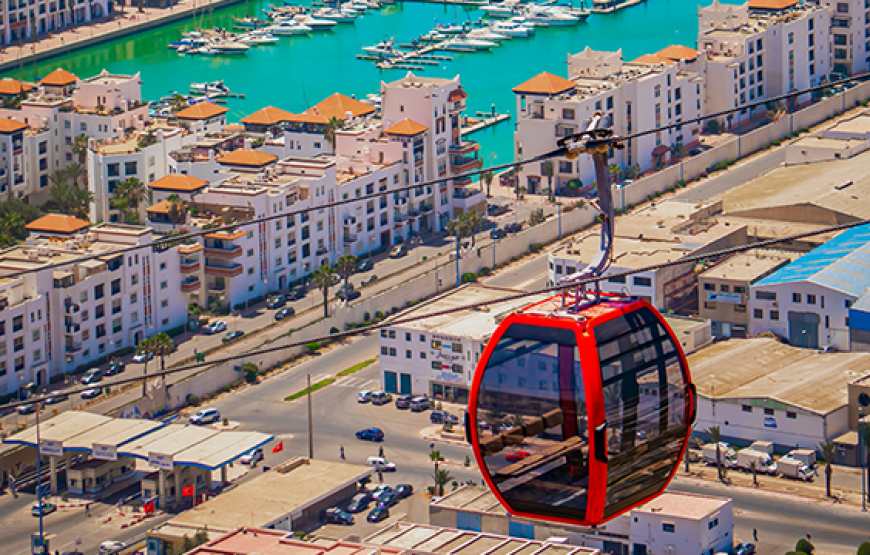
[794,469]
[726,454]
[763,463]
[763,446]
[806,456]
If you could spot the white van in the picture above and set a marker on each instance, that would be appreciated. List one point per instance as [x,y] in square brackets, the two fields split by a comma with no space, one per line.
[381,463]
[419,404]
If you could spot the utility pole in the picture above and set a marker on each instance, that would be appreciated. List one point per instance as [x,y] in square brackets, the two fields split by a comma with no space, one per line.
[458,241]
[39,480]
[310,423]
[862,454]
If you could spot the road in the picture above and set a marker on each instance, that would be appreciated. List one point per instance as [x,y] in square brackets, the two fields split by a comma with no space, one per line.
[739,174]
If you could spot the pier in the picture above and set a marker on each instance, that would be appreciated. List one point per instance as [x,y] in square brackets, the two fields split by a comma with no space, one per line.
[488,120]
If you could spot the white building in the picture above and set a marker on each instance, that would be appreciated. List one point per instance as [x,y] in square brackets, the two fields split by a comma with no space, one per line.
[19,20]
[849,40]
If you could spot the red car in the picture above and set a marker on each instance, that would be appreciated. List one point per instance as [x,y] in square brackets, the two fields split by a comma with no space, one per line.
[517,456]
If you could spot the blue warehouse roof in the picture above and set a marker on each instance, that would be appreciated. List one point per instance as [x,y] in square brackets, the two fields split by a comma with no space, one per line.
[843,264]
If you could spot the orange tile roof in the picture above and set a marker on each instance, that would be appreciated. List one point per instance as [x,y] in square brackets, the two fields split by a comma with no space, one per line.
[652,59]
[337,105]
[179,182]
[162,207]
[678,52]
[268,116]
[58,223]
[245,157]
[407,127]
[309,118]
[202,110]
[771,4]
[225,235]
[12,86]
[11,126]
[545,83]
[190,249]
[457,94]
[234,128]
[59,78]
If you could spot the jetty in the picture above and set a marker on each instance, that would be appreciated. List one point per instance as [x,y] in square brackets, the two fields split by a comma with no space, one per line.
[486,119]
[417,58]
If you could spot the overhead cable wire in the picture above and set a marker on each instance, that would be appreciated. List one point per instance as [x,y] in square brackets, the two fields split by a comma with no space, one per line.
[446,312]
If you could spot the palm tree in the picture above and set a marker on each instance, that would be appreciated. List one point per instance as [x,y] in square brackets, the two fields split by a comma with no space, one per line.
[322,279]
[145,347]
[128,195]
[458,227]
[80,147]
[178,103]
[82,200]
[473,223]
[162,345]
[329,131]
[487,178]
[829,454]
[547,170]
[442,478]
[346,267]
[74,172]
[615,172]
[12,224]
[715,433]
[177,209]
[122,205]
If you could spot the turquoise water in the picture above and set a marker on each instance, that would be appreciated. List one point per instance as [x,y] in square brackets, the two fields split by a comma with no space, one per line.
[300,71]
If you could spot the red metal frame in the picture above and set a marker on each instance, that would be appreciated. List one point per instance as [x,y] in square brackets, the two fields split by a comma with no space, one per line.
[610,307]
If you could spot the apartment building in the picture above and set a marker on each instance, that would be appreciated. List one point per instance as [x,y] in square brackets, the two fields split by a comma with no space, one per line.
[20,19]
[761,49]
[56,320]
[849,36]
[304,134]
[654,90]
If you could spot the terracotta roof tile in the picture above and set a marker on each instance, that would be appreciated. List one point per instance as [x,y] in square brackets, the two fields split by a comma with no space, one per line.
[337,105]
[11,86]
[545,83]
[407,127]
[652,59]
[245,157]
[59,78]
[11,126]
[202,110]
[678,52]
[771,4]
[58,223]
[457,94]
[162,207]
[309,118]
[178,182]
[268,116]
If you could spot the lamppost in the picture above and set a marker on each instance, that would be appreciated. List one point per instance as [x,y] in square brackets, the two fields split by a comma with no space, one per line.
[862,454]
[39,482]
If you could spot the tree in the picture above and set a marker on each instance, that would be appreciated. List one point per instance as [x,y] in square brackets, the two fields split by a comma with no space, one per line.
[615,172]
[145,347]
[864,548]
[177,209]
[715,433]
[829,454]
[473,225]
[11,226]
[804,547]
[537,217]
[442,478]
[122,205]
[322,279]
[80,147]
[329,131]
[74,172]
[458,227]
[127,198]
[713,126]
[345,267]
[177,103]
[774,110]
[633,171]
[487,178]
[162,345]
[547,170]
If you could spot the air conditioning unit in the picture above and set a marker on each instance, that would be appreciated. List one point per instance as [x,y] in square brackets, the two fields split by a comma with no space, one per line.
[775,304]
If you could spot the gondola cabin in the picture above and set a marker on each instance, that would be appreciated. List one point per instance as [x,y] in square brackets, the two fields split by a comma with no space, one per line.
[581,415]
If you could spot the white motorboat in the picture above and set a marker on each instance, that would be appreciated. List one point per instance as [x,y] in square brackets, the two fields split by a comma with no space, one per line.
[461,44]
[314,23]
[251,22]
[383,47]
[188,43]
[486,34]
[339,16]
[505,9]
[550,17]
[228,48]
[215,87]
[512,29]
[433,36]
[258,39]
[449,29]
[288,28]
[357,5]
[373,4]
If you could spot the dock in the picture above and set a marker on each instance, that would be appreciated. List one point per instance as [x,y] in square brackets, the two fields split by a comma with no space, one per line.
[488,121]
[416,59]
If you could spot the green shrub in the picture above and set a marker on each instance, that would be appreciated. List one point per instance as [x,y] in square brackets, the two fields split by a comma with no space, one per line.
[485,271]
[469,278]
[805,130]
[334,329]
[536,247]
[804,546]
[367,316]
[777,142]
[193,400]
[379,315]
[313,346]
[251,377]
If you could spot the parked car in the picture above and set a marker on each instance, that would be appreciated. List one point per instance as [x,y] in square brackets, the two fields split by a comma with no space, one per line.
[276,301]
[54,400]
[513,227]
[205,416]
[497,233]
[371,434]
[403,402]
[364,396]
[404,490]
[252,457]
[29,408]
[381,398]
[365,265]
[215,327]
[95,391]
[45,508]
[348,295]
[297,293]
[334,515]
[142,357]
[517,456]
[359,503]
[378,514]
[369,280]
[288,312]
[398,251]
[233,335]
[419,404]
[744,548]
[440,417]
[381,489]
[111,547]
[92,376]
[114,369]
[382,464]
[388,499]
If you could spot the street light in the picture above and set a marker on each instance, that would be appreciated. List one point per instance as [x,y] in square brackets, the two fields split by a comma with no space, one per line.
[862,455]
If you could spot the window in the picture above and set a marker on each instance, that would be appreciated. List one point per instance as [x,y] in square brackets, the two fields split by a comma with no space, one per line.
[457,369]
[134,279]
[642,281]
[617,279]
[848,303]
[392,351]
[422,338]
[113,170]
[408,353]
[765,295]
[436,344]
[407,336]
[747,408]
[791,415]
[18,344]
[130,168]
[116,325]
[392,334]
[709,287]
[99,311]
[566,167]
[791,38]
[116,306]
[385,351]
[669,527]
[740,308]
[35,335]
[567,113]
[116,286]
[795,297]
[769,412]
[739,289]
[134,297]
[436,365]
[842,7]
[101,330]
[724,288]
[164,285]
[250,253]
[164,303]
[457,347]
[811,299]
[774,315]
[383,333]
[17,324]
[714,522]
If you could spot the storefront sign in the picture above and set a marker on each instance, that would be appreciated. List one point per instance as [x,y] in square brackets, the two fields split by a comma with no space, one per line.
[105,452]
[52,448]
[731,298]
[160,461]
[449,377]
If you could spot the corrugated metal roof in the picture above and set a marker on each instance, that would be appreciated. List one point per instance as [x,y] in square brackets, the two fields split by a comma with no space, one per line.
[842,264]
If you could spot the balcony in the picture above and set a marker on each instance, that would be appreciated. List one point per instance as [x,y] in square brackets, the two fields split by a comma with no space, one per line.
[188,267]
[189,284]
[72,347]
[401,201]
[465,147]
[223,251]
[463,164]
[321,251]
[71,309]
[465,199]
[223,269]
[350,238]
[426,208]
[215,287]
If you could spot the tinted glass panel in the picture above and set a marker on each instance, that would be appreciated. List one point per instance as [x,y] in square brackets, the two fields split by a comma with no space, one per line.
[532,424]
[645,405]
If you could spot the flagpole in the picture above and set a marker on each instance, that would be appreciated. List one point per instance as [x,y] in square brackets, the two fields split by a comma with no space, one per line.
[310,425]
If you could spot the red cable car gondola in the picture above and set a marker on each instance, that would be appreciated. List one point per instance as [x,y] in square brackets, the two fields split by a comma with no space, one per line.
[584,403]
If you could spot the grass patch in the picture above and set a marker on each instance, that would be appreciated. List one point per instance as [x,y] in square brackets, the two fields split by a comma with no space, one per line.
[314,387]
[355,368]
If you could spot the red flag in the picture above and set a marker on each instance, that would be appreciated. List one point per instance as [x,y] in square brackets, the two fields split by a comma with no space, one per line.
[148,507]
[279,447]
[187,492]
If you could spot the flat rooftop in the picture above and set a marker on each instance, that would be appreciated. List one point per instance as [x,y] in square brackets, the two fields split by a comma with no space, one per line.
[475,324]
[859,125]
[683,505]
[283,490]
[815,141]
[815,382]
[80,430]
[260,541]
[750,265]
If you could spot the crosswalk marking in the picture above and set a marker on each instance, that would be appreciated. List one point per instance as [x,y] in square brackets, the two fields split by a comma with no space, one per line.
[358,383]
